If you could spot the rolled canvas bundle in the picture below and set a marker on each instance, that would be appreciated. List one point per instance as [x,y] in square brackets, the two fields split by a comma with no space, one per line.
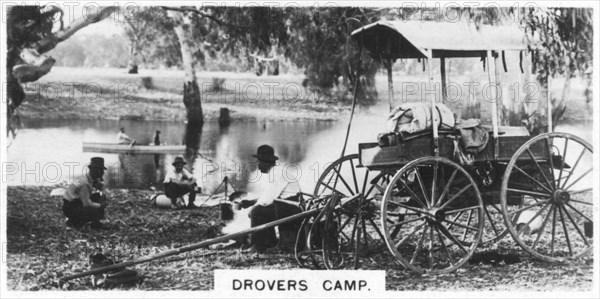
[416,117]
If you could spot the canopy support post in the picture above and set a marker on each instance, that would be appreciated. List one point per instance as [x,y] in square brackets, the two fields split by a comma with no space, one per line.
[491,62]
[434,114]
[549,104]
[390,83]
[443,72]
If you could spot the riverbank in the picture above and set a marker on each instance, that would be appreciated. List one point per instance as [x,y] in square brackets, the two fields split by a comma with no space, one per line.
[76,93]
[71,93]
[40,249]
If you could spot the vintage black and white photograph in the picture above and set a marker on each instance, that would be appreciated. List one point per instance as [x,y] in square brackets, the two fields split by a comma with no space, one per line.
[300,149]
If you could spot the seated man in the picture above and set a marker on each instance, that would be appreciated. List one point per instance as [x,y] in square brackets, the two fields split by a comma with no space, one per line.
[122,138]
[268,184]
[179,182]
[85,201]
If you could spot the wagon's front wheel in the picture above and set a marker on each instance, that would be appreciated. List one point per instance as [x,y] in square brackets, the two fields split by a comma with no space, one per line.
[432,215]
[547,197]
[352,230]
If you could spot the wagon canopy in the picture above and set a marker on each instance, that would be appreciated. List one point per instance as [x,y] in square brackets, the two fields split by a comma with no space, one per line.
[413,39]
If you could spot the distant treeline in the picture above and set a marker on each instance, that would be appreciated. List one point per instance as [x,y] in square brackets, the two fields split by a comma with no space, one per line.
[103,51]
[95,50]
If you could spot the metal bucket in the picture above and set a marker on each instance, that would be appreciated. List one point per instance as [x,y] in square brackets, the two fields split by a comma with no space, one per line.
[226,211]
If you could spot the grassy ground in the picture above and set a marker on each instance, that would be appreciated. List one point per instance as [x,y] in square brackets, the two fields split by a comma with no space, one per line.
[41,249]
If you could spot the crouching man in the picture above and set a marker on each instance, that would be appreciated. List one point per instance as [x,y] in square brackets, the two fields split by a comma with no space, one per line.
[85,201]
[179,182]
[268,184]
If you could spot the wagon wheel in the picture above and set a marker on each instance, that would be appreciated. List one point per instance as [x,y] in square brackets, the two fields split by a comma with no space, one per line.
[494,228]
[357,232]
[310,254]
[432,215]
[553,218]
[333,246]
[306,257]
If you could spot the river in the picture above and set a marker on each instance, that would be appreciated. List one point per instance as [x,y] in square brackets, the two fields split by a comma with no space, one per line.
[49,152]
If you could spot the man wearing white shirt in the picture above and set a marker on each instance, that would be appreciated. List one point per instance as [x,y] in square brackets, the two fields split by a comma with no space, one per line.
[267,182]
[122,138]
[84,201]
[179,182]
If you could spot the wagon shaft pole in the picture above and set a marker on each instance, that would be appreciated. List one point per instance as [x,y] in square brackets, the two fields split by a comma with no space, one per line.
[202,244]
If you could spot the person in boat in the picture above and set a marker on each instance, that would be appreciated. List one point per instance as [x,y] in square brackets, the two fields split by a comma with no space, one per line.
[122,138]
[157,137]
[268,184]
[178,182]
[84,201]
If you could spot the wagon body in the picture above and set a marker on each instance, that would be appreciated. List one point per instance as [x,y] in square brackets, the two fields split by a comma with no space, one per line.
[437,209]
[375,157]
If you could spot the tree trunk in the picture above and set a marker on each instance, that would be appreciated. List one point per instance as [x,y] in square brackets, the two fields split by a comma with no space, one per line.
[191,91]
[132,67]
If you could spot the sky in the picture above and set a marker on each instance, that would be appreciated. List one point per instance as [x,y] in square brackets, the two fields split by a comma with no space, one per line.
[109,26]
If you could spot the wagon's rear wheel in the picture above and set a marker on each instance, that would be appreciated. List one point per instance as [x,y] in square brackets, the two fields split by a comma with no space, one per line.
[551,176]
[354,227]
[432,215]
[494,228]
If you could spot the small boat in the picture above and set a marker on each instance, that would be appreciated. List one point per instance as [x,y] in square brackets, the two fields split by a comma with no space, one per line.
[132,149]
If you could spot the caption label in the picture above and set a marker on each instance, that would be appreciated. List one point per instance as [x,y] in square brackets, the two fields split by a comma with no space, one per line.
[299,281]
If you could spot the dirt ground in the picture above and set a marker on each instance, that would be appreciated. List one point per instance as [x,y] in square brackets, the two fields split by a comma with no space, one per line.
[41,249]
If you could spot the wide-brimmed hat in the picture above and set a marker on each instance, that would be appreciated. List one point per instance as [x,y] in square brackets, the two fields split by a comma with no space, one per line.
[266,153]
[178,160]
[97,162]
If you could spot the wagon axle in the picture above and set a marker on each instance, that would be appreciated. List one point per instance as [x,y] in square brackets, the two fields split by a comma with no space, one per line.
[435,215]
[560,197]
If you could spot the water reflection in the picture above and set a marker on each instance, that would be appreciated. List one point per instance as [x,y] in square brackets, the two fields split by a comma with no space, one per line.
[222,152]
[50,152]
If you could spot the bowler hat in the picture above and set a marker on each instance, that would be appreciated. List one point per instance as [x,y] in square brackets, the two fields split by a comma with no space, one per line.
[178,160]
[266,153]
[97,162]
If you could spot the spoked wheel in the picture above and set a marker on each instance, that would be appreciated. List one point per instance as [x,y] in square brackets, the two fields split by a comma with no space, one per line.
[310,255]
[306,257]
[333,246]
[551,176]
[494,228]
[432,215]
[353,230]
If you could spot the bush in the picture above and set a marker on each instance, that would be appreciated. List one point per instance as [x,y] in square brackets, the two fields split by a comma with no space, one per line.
[217,84]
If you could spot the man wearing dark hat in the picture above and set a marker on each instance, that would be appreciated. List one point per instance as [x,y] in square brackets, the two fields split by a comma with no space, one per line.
[84,201]
[179,182]
[269,185]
